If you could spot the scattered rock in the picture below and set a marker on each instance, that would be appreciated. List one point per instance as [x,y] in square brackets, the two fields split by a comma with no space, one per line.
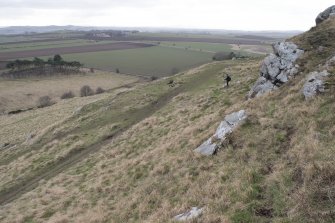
[277,68]
[7,146]
[325,14]
[30,137]
[193,213]
[4,145]
[77,110]
[210,146]
[314,84]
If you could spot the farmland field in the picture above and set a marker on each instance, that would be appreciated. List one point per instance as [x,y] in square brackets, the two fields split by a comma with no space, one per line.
[200,46]
[145,54]
[153,61]
[23,93]
[71,49]
[49,44]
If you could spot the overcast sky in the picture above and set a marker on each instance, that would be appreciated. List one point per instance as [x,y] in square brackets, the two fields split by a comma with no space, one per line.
[211,14]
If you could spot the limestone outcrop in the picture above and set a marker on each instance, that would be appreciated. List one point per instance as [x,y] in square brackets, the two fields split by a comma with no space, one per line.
[231,121]
[325,14]
[277,68]
[314,84]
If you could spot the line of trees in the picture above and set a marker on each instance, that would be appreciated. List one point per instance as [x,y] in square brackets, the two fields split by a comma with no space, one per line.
[55,62]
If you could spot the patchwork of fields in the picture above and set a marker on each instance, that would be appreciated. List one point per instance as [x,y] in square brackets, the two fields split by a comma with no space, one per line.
[145,54]
[71,49]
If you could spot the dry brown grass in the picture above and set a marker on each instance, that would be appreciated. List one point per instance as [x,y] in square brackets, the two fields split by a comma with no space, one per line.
[24,93]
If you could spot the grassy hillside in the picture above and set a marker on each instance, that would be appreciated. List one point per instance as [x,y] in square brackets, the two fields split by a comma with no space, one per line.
[318,43]
[128,157]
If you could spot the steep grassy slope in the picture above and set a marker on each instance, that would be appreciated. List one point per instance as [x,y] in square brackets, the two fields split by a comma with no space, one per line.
[138,163]
[318,43]
[180,116]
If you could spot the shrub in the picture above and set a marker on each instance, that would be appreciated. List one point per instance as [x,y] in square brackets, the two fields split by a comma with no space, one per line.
[86,91]
[174,70]
[153,78]
[44,101]
[224,56]
[66,95]
[99,90]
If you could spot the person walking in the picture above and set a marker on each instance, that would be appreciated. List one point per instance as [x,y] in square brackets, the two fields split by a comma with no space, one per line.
[227,79]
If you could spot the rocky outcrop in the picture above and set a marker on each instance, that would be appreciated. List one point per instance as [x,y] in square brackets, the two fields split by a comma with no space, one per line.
[193,213]
[231,121]
[325,14]
[277,68]
[330,64]
[314,84]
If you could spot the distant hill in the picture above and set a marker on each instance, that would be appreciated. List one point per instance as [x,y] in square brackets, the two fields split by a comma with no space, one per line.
[19,30]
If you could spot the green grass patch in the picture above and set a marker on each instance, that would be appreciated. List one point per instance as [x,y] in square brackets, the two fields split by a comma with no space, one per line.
[152,61]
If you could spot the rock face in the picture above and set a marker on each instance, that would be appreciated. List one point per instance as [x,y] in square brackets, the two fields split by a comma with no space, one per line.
[325,14]
[277,68]
[231,121]
[314,84]
[193,213]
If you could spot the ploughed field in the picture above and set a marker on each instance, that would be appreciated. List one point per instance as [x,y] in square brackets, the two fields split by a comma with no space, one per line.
[226,40]
[71,49]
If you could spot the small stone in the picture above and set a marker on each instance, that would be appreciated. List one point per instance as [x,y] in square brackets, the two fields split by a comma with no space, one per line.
[191,214]
[77,110]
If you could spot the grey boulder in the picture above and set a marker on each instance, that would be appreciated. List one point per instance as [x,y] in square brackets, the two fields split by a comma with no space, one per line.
[193,213]
[207,148]
[314,84]
[231,121]
[277,68]
[325,14]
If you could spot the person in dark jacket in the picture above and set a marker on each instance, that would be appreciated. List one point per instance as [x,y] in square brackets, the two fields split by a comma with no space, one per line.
[227,79]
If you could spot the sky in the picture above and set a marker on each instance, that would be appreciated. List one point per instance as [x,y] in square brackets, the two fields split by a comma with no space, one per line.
[202,14]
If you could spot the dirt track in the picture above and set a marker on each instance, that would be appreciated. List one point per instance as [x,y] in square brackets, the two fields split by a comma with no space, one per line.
[72,49]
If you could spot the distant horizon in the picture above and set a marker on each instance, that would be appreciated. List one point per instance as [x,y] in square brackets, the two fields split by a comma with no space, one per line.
[153,28]
[258,15]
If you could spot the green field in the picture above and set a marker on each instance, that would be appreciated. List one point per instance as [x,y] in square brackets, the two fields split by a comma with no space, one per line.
[152,61]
